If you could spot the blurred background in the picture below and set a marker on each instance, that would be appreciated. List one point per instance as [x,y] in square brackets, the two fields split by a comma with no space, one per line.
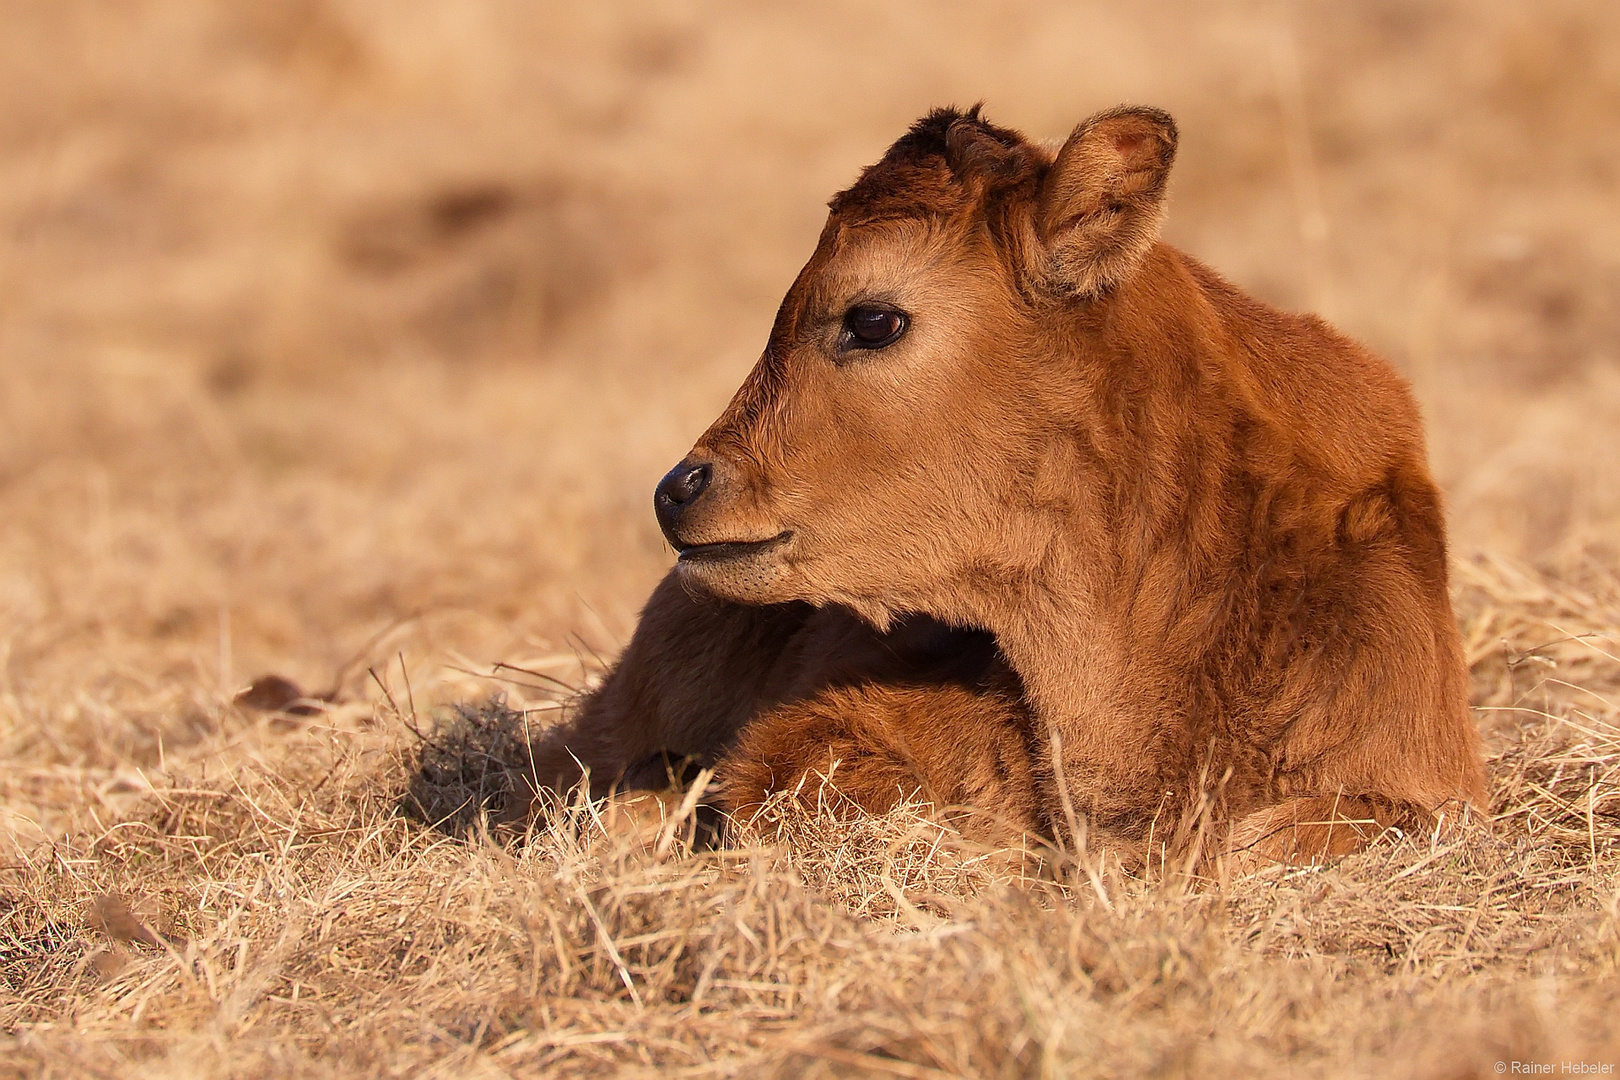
[336,329]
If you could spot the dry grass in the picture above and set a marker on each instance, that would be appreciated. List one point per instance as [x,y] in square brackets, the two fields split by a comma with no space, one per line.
[345,339]
[285,918]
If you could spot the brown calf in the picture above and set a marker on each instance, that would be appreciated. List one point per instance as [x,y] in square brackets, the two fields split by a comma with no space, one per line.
[1202,532]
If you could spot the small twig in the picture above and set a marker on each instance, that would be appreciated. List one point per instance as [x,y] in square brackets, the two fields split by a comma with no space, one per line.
[498,678]
[350,664]
[405,673]
[1077,836]
[392,704]
[607,943]
[386,693]
[499,664]
[582,643]
[700,785]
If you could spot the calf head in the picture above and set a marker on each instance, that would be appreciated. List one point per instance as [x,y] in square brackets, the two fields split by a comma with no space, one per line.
[891,447]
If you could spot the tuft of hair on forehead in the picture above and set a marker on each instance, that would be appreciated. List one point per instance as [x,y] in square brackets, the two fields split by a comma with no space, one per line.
[946,159]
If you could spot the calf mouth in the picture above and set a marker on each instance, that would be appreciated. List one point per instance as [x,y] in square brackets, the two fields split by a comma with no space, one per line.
[729,550]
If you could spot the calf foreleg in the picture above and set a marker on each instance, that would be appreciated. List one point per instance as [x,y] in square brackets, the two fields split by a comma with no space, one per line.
[866,749]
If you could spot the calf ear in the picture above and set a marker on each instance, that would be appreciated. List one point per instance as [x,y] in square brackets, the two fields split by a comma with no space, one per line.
[1103,199]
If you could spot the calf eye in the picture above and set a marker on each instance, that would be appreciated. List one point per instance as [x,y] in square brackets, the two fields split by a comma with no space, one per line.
[872,326]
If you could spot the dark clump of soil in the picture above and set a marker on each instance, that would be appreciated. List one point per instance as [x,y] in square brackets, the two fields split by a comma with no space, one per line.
[473,770]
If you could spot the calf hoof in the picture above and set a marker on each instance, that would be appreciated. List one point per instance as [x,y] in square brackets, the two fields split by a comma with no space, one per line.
[655,820]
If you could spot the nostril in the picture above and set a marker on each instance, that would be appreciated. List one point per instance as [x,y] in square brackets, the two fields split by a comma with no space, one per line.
[688,483]
[682,484]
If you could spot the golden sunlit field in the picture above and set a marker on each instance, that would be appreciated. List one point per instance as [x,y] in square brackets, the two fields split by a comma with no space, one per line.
[345,340]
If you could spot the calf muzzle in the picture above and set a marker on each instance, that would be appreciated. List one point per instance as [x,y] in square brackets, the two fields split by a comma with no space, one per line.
[677,491]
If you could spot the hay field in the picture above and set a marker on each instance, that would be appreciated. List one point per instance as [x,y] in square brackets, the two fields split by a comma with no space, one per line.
[345,340]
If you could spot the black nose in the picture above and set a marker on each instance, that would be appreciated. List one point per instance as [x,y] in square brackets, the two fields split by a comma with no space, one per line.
[682,484]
